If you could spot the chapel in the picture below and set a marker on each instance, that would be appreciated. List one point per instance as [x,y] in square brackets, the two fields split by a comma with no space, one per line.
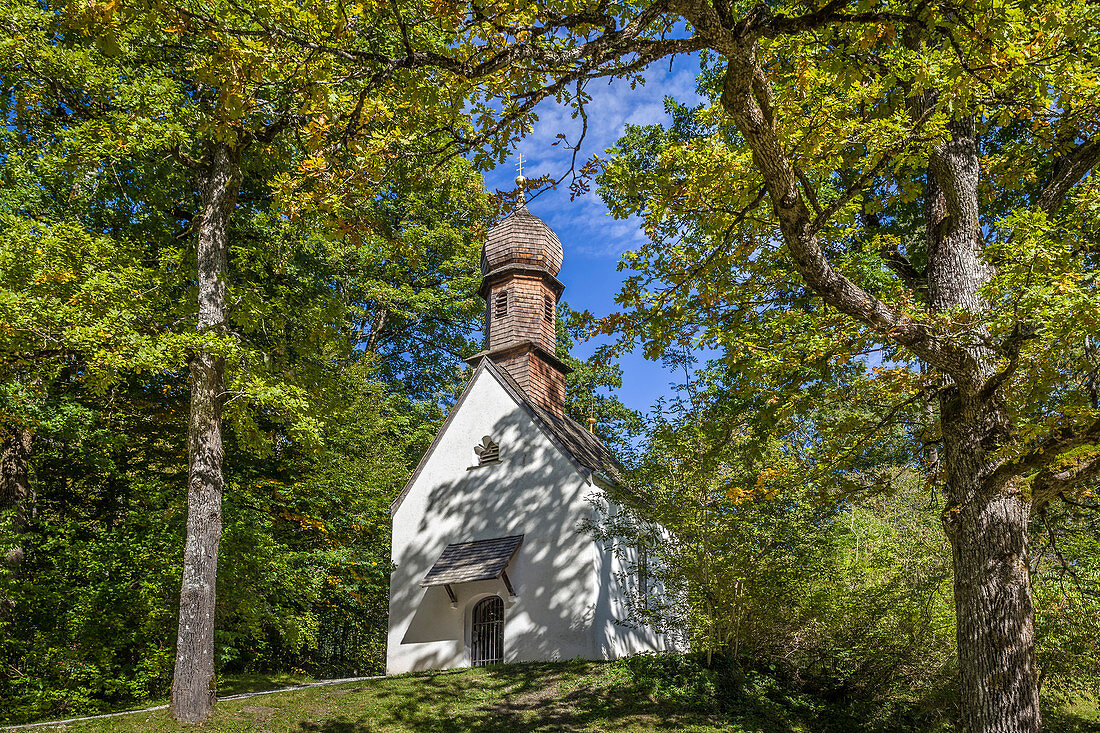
[491,559]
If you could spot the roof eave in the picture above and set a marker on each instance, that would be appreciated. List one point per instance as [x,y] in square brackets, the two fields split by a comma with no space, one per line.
[396,503]
[604,481]
[521,400]
[519,347]
[493,276]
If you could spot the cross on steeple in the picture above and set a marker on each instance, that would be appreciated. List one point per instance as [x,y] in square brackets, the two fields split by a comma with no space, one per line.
[519,165]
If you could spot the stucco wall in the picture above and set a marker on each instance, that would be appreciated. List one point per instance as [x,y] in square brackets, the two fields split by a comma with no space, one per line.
[618,579]
[534,491]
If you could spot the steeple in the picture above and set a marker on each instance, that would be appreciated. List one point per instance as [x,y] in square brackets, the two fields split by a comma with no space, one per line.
[519,264]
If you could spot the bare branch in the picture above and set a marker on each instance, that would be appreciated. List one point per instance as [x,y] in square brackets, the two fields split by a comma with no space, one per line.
[184,159]
[780,25]
[403,27]
[1047,457]
[1021,334]
[808,189]
[900,265]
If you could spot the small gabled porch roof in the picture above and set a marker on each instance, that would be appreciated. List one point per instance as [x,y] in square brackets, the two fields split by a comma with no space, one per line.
[466,562]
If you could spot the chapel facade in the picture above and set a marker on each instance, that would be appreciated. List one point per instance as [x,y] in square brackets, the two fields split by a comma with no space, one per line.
[491,559]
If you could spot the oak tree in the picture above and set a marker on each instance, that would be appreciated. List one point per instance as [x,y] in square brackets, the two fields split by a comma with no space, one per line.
[264,130]
[906,186]
[903,178]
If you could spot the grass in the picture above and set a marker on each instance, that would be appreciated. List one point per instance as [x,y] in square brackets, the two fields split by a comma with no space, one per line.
[580,696]
[569,696]
[242,683]
[1080,716]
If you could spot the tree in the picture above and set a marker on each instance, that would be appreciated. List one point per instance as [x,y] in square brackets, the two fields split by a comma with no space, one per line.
[773,555]
[925,177]
[588,388]
[236,113]
[95,325]
[866,130]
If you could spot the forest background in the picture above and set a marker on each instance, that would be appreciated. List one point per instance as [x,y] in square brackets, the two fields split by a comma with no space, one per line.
[811,547]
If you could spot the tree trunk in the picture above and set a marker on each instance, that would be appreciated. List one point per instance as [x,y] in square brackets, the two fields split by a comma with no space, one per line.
[15,486]
[193,687]
[15,456]
[987,528]
[985,521]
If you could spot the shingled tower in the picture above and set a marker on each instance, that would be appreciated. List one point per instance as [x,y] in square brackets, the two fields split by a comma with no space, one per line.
[519,264]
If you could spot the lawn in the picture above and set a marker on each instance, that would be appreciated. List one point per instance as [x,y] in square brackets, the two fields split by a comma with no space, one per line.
[571,696]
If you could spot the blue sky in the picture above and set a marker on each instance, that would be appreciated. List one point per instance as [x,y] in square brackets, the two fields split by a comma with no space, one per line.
[593,240]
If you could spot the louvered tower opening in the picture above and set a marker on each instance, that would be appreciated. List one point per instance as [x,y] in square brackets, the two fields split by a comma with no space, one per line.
[520,262]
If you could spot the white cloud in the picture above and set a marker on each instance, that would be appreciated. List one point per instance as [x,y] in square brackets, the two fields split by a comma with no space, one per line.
[594,241]
[612,107]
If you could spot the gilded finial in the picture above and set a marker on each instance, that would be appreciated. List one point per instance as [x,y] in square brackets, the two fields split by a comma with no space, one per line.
[520,180]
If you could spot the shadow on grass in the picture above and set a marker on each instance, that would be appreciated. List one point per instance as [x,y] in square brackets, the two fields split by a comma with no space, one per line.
[242,683]
[579,696]
[1070,721]
[545,697]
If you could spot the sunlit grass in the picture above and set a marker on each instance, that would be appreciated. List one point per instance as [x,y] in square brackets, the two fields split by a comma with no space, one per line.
[570,696]
[576,696]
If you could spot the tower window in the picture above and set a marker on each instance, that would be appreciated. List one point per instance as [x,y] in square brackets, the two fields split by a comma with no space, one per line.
[501,304]
[548,309]
[487,451]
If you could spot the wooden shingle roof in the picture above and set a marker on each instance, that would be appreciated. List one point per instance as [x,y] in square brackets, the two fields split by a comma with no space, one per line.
[465,562]
[582,446]
[521,238]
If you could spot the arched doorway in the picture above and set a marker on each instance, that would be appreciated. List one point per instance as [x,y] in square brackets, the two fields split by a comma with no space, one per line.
[487,632]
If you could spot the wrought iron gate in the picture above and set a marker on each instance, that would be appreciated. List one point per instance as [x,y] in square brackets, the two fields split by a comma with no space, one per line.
[487,632]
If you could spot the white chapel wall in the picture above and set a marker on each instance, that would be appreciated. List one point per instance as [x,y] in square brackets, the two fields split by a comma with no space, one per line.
[618,635]
[534,491]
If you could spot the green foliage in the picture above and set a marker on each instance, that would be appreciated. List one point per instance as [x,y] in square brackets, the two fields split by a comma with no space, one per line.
[589,388]
[88,607]
[717,274]
[1066,582]
[786,474]
[351,308]
[762,559]
[89,611]
[773,554]
[825,408]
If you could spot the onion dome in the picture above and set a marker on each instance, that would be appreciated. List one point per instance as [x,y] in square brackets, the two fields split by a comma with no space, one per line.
[521,239]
